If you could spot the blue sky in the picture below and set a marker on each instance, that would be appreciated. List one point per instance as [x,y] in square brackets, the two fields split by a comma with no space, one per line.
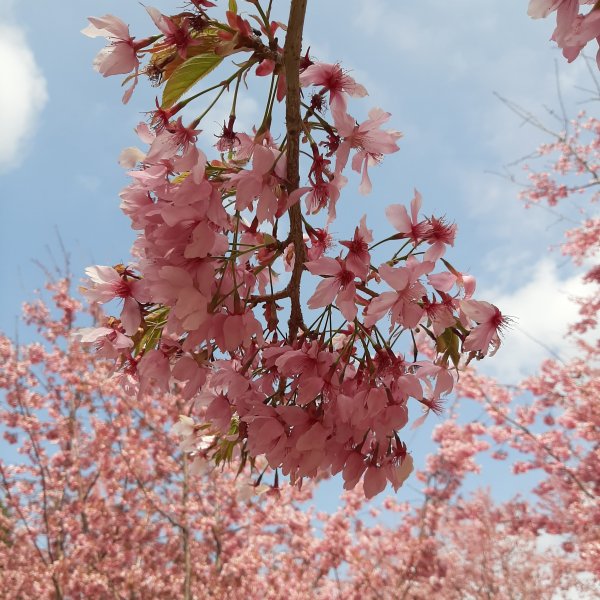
[433,65]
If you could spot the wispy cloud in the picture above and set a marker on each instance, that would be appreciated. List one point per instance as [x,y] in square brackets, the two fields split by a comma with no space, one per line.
[542,309]
[24,93]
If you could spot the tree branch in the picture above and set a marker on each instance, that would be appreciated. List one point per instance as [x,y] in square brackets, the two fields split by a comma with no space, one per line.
[293,120]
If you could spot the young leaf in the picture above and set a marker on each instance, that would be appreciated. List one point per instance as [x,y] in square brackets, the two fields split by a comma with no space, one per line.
[186,75]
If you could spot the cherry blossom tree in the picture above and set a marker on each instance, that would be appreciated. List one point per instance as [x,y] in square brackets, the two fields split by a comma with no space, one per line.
[99,501]
[152,464]
[549,424]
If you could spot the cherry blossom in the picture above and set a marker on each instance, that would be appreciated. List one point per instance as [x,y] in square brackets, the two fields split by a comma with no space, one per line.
[108,283]
[490,322]
[573,29]
[121,56]
[370,142]
[338,284]
[334,80]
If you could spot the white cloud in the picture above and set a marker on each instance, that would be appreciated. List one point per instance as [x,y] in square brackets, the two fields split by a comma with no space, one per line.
[23,97]
[90,183]
[542,309]
[505,230]
[458,42]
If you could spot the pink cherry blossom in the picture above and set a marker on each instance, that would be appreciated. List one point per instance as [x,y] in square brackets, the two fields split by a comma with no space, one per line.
[311,362]
[258,183]
[410,227]
[175,34]
[358,258]
[441,314]
[539,9]
[375,481]
[439,234]
[566,17]
[325,186]
[573,30]
[370,142]
[338,285]
[154,372]
[187,369]
[109,342]
[335,81]
[490,323]
[190,305]
[108,284]
[238,330]
[321,240]
[402,302]
[120,57]
[583,29]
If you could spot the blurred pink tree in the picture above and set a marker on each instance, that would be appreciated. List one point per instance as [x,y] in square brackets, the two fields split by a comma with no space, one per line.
[100,501]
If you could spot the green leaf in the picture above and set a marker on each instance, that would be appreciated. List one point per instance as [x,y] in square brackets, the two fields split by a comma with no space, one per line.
[186,75]
[154,323]
[233,6]
[448,344]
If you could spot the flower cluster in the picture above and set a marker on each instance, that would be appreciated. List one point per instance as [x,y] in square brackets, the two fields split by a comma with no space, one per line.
[203,300]
[573,30]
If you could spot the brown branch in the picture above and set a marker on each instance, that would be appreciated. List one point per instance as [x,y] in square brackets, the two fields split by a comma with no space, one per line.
[39,463]
[218,549]
[293,121]
[363,288]
[185,532]
[171,519]
[284,293]
[14,503]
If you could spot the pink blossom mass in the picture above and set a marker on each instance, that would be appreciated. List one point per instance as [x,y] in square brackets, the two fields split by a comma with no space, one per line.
[573,29]
[203,300]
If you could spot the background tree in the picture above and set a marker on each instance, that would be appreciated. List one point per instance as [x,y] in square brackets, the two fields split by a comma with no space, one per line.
[100,501]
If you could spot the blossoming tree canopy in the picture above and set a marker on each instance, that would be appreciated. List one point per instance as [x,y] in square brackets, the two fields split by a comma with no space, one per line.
[96,500]
[573,30]
[286,343]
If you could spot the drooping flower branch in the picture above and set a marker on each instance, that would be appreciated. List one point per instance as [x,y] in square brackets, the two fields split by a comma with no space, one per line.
[202,299]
